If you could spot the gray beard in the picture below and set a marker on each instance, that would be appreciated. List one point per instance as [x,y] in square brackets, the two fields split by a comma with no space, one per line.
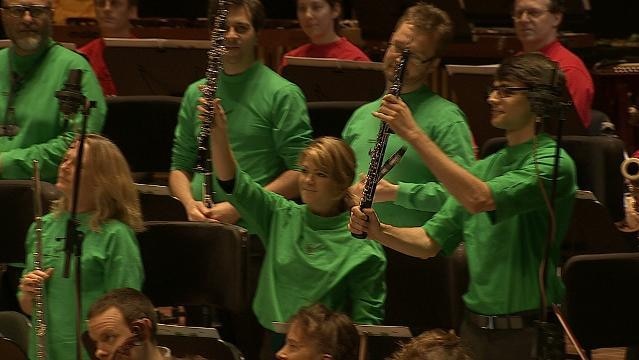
[29,43]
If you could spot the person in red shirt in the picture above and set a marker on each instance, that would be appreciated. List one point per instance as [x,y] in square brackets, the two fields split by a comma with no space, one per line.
[536,26]
[114,21]
[320,21]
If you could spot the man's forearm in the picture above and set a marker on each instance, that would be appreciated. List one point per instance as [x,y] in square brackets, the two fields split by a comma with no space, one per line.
[411,241]
[180,185]
[470,191]
[285,184]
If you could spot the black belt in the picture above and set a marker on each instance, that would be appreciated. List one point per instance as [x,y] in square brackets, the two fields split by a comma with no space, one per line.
[500,322]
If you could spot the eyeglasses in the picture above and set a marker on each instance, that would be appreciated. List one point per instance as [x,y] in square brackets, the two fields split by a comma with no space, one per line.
[533,14]
[506,91]
[416,59]
[36,11]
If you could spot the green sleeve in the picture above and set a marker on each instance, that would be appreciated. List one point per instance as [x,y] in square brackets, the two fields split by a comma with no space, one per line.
[368,291]
[256,205]
[447,226]
[518,191]
[455,141]
[123,266]
[184,153]
[18,163]
[424,197]
[291,125]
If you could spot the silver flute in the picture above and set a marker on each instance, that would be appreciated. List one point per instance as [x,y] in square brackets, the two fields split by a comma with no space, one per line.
[38,301]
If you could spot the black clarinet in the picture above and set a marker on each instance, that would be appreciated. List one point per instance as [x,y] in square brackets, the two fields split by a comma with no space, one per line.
[378,151]
[213,69]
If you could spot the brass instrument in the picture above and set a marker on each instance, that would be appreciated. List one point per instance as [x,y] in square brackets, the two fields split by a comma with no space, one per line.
[38,300]
[214,67]
[377,153]
[630,170]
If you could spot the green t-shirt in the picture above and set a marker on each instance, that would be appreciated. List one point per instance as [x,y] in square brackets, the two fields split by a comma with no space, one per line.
[110,259]
[268,126]
[420,194]
[504,246]
[43,135]
[310,259]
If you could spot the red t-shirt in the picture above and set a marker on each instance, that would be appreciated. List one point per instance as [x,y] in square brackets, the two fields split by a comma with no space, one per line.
[578,80]
[341,49]
[94,51]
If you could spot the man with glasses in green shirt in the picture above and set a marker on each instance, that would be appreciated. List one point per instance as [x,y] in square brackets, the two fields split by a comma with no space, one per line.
[499,208]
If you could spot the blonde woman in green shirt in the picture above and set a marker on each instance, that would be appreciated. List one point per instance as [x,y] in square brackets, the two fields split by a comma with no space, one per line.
[310,255]
[109,213]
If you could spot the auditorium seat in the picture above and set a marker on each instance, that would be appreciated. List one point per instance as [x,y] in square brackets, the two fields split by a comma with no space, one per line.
[158,205]
[142,127]
[601,299]
[200,264]
[329,117]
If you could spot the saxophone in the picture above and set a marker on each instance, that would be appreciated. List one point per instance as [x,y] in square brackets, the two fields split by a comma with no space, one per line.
[630,170]
[378,151]
[38,300]
[213,69]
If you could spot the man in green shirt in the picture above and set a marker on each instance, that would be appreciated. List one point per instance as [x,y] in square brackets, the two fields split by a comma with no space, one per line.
[31,71]
[499,208]
[268,121]
[412,193]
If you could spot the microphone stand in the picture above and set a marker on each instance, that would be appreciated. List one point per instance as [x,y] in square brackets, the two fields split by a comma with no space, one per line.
[74,237]
[549,338]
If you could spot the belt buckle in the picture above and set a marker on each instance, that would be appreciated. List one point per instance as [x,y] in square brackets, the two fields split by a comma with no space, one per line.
[490,322]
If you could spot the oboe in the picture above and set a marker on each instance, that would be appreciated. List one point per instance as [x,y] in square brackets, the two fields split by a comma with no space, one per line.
[213,69]
[38,300]
[378,151]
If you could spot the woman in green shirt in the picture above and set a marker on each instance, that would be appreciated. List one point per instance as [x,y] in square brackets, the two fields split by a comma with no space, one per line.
[108,211]
[311,256]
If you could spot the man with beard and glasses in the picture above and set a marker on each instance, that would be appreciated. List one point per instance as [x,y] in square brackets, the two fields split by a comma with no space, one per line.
[31,71]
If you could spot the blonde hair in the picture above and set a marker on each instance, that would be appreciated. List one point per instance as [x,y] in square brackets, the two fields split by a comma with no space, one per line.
[114,193]
[338,159]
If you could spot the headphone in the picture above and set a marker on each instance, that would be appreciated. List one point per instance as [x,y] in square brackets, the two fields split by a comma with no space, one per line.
[549,98]
[141,330]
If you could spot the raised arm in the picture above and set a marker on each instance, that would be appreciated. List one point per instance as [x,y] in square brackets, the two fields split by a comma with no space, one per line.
[470,191]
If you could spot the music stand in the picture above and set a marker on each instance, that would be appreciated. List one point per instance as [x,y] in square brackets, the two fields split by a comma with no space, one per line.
[336,80]
[364,332]
[186,341]
[143,66]
[176,330]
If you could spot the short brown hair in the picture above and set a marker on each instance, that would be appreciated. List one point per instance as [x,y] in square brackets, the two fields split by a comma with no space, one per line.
[333,332]
[429,19]
[435,344]
[132,304]
[543,77]
[254,7]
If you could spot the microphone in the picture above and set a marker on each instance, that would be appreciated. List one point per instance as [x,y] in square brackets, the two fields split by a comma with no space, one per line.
[70,96]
